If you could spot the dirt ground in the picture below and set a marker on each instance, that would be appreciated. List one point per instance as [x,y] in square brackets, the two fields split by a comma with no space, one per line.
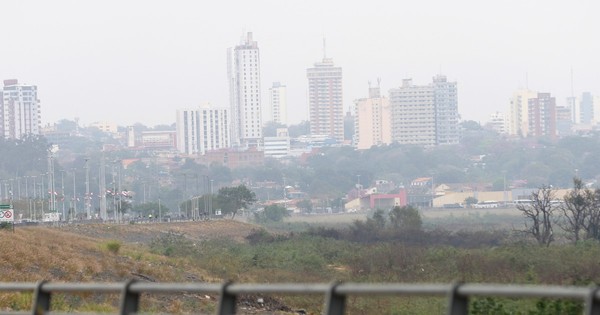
[145,232]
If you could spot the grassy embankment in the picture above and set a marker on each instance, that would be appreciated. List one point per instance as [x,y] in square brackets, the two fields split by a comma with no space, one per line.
[217,250]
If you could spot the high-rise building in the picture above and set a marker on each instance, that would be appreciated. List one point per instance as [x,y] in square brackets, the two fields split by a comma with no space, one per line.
[278,96]
[243,69]
[564,124]
[586,108]
[20,110]
[326,110]
[202,129]
[542,115]
[372,120]
[413,114]
[425,114]
[446,110]
[518,121]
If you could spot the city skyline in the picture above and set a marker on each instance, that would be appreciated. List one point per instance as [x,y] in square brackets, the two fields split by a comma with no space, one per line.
[118,70]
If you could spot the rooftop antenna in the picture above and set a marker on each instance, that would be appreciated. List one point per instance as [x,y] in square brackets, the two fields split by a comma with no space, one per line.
[369,84]
[526,80]
[324,48]
[379,82]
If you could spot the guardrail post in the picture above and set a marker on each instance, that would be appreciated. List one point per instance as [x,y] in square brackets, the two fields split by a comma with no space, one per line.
[335,303]
[227,301]
[458,304]
[130,301]
[592,304]
[41,300]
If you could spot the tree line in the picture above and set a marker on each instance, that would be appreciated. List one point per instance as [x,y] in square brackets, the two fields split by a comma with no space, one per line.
[577,214]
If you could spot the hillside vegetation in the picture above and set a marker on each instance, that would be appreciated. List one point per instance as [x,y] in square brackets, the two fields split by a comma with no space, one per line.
[374,250]
[106,253]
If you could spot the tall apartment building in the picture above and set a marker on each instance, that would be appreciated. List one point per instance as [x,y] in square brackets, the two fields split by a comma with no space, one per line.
[425,114]
[243,69]
[20,110]
[519,112]
[326,110]
[202,129]
[372,120]
[413,114]
[586,108]
[542,115]
[278,97]
[564,124]
[445,97]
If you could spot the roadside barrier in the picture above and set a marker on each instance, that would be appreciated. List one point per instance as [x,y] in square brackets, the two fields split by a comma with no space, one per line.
[335,294]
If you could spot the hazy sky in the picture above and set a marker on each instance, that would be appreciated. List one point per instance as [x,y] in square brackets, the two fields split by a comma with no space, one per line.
[138,61]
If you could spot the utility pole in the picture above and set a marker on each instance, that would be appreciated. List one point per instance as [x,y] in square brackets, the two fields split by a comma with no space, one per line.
[74,196]
[102,184]
[114,201]
[88,199]
[52,204]
[62,184]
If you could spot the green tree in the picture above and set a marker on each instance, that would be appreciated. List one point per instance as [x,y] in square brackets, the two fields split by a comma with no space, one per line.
[406,218]
[273,213]
[300,129]
[577,206]
[232,199]
[270,128]
[306,205]
[469,201]
[379,218]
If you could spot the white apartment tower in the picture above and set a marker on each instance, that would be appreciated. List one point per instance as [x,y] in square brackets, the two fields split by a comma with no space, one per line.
[445,98]
[372,121]
[243,69]
[20,110]
[413,114]
[425,114]
[202,129]
[326,110]
[278,96]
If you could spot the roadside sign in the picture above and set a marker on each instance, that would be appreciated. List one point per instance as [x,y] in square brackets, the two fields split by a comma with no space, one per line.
[5,206]
[7,215]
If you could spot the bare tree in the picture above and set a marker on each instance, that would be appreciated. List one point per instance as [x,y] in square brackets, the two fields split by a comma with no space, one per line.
[577,210]
[592,222]
[539,215]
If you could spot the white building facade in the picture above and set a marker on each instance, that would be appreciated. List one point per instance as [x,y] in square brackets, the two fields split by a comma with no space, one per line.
[445,98]
[243,69]
[278,146]
[20,110]
[413,114]
[278,97]
[202,129]
[425,114]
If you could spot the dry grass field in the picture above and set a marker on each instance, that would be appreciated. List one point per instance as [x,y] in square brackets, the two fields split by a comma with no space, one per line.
[106,253]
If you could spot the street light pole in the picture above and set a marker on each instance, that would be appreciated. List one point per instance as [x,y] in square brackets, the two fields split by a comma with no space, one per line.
[88,199]
[62,184]
[74,196]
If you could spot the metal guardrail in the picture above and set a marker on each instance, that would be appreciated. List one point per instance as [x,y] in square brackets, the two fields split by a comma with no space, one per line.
[335,294]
